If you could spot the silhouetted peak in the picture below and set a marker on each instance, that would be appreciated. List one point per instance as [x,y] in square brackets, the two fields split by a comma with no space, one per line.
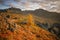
[41,10]
[14,9]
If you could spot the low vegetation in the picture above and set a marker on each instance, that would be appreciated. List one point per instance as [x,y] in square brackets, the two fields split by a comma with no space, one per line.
[20,27]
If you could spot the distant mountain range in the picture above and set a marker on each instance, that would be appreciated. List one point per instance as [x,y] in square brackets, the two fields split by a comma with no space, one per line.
[37,12]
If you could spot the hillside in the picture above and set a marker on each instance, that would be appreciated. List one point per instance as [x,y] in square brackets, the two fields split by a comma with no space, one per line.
[22,27]
[45,14]
[49,21]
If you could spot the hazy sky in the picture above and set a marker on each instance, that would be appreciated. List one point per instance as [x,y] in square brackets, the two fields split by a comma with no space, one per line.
[51,5]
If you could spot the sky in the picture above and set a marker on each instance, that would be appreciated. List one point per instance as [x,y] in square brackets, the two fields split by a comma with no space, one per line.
[50,5]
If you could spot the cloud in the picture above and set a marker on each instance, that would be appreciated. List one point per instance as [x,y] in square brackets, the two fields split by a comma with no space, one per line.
[1,1]
[17,0]
[50,5]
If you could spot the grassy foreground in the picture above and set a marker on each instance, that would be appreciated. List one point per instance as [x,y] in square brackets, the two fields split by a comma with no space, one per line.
[20,27]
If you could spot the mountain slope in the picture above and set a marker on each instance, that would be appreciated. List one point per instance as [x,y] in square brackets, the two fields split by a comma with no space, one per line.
[13,28]
[47,20]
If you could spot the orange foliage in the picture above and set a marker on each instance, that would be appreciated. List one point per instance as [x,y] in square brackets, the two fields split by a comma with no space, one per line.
[28,31]
[30,20]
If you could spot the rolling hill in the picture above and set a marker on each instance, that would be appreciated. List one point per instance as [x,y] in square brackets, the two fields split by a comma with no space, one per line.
[21,27]
[49,21]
